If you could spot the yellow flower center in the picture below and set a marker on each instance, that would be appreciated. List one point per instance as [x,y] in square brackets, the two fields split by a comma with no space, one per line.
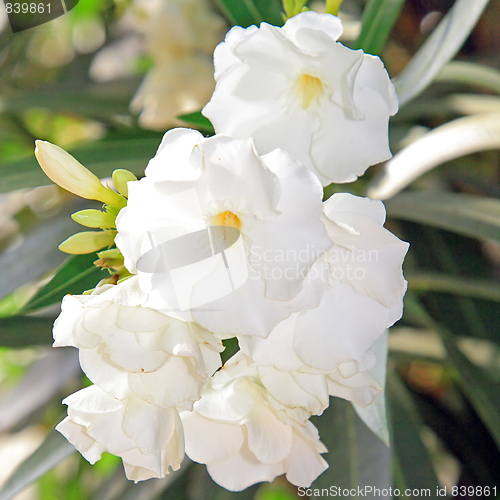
[308,89]
[227,219]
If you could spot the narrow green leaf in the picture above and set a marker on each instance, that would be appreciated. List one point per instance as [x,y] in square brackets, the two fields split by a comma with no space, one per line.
[25,331]
[100,157]
[102,101]
[197,120]
[483,392]
[457,285]
[406,441]
[357,458]
[378,20]
[236,12]
[440,252]
[454,139]
[52,451]
[75,276]
[37,254]
[441,46]
[451,105]
[471,73]
[43,381]
[268,11]
[247,12]
[374,415]
[472,216]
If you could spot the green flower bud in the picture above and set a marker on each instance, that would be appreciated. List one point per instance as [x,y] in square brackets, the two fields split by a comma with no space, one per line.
[94,218]
[87,242]
[71,175]
[110,259]
[121,178]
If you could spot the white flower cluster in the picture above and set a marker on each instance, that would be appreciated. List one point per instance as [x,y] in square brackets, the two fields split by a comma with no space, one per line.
[228,237]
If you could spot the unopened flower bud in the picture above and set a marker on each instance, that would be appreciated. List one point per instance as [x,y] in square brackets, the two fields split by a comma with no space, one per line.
[94,218]
[110,259]
[71,175]
[121,178]
[87,242]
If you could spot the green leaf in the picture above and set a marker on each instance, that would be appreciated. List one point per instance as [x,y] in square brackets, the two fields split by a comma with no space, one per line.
[441,46]
[51,452]
[43,381]
[100,157]
[464,214]
[471,73]
[407,444]
[482,391]
[374,415]
[454,139]
[269,11]
[37,254]
[75,276]
[25,331]
[439,252]
[197,120]
[378,20]
[247,12]
[457,285]
[357,458]
[102,101]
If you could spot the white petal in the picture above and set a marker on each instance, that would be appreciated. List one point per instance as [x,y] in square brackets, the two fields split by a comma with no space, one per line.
[68,328]
[295,389]
[149,426]
[209,441]
[236,178]
[269,438]
[242,470]
[140,319]
[78,437]
[223,55]
[367,256]
[275,350]
[347,334]
[245,311]
[93,400]
[168,160]
[330,25]
[104,373]
[373,74]
[345,202]
[173,384]
[226,405]
[305,464]
[290,254]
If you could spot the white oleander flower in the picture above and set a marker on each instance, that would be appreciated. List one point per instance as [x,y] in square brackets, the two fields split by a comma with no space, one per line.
[179,36]
[149,439]
[264,215]
[174,27]
[242,439]
[298,89]
[330,349]
[172,87]
[133,351]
